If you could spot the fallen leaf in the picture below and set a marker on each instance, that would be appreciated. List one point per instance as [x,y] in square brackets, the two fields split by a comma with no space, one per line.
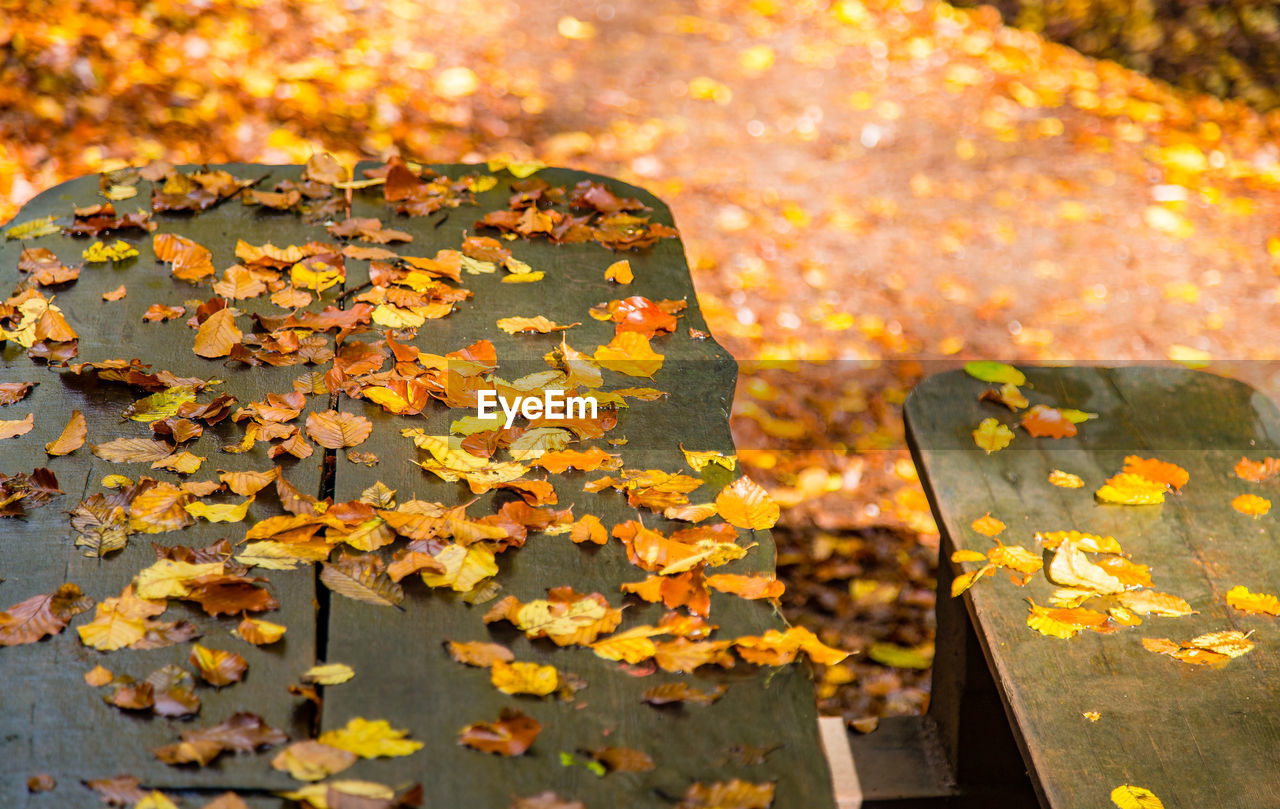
[1257,471]
[619,272]
[328,674]
[371,739]
[539,324]
[1065,480]
[242,733]
[333,429]
[1172,475]
[733,794]
[1131,797]
[363,579]
[216,667]
[1042,421]
[1131,490]
[17,427]
[217,335]
[992,436]
[311,760]
[98,676]
[987,525]
[1251,504]
[71,438]
[995,372]
[1240,598]
[511,735]
[745,504]
[680,692]
[524,678]
[629,353]
[258,632]
[42,615]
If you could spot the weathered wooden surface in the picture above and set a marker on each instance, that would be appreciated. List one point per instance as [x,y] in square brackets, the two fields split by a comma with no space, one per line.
[50,721]
[1196,736]
[428,692]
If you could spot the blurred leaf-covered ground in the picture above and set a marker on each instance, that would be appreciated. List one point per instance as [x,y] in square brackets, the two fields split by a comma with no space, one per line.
[866,191]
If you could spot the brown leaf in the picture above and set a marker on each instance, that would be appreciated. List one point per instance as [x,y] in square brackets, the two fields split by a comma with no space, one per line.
[511,735]
[623,759]
[115,294]
[242,733]
[334,430]
[362,578]
[678,692]
[71,438]
[42,782]
[216,667]
[217,335]
[159,312]
[42,615]
[734,794]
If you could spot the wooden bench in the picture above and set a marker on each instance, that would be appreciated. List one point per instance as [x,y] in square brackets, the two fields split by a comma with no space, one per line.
[1020,719]
[763,729]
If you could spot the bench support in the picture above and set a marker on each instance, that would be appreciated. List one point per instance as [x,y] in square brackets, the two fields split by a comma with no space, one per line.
[961,754]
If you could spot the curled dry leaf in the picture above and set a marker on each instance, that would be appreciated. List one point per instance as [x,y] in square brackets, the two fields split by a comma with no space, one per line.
[12,392]
[259,632]
[1240,598]
[216,667]
[242,733]
[71,438]
[511,735]
[17,427]
[679,692]
[311,760]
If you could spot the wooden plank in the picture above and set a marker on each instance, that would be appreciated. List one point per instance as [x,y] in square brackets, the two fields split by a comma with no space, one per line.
[1196,736]
[404,674]
[51,721]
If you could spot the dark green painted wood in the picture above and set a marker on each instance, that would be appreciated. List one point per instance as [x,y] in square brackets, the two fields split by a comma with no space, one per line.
[403,672]
[50,720]
[1196,736]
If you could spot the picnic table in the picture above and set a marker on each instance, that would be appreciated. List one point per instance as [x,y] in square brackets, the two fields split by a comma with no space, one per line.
[1019,718]
[762,729]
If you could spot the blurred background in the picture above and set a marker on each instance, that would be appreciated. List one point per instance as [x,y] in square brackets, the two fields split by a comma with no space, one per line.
[865,190]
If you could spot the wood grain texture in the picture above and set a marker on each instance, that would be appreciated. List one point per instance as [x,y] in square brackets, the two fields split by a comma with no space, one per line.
[404,673]
[1196,736]
[50,720]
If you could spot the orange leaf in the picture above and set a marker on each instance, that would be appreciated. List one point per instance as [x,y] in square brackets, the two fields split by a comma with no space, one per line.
[1047,422]
[72,437]
[751,587]
[1169,474]
[1258,471]
[1241,599]
[17,427]
[620,272]
[115,294]
[511,735]
[588,460]
[217,335]
[629,353]
[216,667]
[188,260]
[333,429]
[589,529]
[1251,504]
[40,616]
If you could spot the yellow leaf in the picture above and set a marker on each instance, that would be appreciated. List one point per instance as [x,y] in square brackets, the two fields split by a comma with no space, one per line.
[34,229]
[314,274]
[1089,543]
[629,353]
[964,581]
[1071,568]
[1241,599]
[524,278]
[1065,480]
[632,646]
[317,795]
[168,578]
[968,556]
[1064,623]
[992,436]
[524,678]
[370,739]
[620,272]
[99,252]
[1015,557]
[465,567]
[701,459]
[539,324]
[1229,642]
[155,799]
[987,525]
[1131,797]
[221,512]
[1129,489]
[1149,602]
[745,504]
[328,674]
[273,555]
